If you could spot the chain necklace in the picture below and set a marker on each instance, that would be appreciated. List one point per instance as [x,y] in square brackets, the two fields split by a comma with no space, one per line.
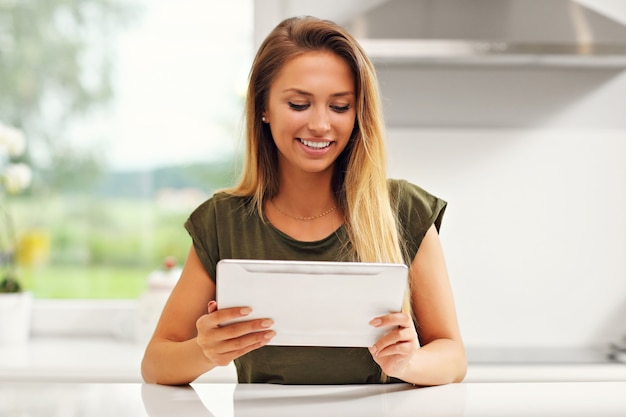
[303,218]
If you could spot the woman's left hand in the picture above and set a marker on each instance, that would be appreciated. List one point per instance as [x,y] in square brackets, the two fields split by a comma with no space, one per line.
[395,349]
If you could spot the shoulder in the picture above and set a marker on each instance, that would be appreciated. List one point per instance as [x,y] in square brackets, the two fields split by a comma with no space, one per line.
[212,224]
[416,210]
[221,203]
[220,210]
[413,200]
[225,199]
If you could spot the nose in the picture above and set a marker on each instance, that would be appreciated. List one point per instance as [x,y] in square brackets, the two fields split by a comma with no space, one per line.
[319,121]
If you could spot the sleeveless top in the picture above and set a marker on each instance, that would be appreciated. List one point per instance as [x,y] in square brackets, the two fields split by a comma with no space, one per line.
[226,227]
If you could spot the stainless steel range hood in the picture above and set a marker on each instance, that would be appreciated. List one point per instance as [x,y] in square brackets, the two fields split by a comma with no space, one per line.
[548,32]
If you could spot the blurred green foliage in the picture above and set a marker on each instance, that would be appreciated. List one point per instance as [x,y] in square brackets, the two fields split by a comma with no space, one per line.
[99,237]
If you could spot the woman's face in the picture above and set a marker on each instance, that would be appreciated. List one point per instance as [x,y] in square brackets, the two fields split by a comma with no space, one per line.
[311,112]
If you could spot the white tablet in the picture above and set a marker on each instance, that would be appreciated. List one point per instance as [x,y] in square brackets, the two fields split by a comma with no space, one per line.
[314,303]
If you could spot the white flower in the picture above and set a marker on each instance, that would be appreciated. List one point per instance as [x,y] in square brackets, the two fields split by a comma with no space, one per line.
[12,139]
[17,177]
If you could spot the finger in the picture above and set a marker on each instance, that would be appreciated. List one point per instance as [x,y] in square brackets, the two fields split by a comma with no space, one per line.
[395,349]
[212,306]
[227,357]
[212,330]
[243,328]
[226,351]
[396,337]
[217,317]
[392,320]
[247,341]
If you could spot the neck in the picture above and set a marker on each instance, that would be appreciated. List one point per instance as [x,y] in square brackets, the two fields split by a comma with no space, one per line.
[305,195]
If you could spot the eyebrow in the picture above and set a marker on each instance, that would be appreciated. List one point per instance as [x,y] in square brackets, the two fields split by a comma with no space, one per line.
[306,93]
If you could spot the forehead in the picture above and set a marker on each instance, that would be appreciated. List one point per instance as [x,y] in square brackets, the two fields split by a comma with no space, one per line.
[315,70]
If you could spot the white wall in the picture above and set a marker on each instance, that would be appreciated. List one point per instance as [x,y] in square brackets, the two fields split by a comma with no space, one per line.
[535,231]
[533,163]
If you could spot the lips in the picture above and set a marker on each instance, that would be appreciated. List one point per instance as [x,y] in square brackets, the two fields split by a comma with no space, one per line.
[315,144]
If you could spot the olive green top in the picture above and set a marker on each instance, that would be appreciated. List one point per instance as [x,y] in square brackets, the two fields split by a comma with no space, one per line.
[225,227]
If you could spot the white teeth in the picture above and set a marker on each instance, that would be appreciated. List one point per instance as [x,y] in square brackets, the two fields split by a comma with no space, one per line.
[316,145]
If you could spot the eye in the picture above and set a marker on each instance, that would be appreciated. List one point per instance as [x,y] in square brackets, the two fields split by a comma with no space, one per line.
[297,106]
[341,109]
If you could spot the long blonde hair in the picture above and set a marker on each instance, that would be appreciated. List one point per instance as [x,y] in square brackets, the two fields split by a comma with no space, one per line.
[360,174]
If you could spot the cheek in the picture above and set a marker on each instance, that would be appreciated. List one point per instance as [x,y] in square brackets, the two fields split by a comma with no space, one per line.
[288,124]
[346,127]
[284,132]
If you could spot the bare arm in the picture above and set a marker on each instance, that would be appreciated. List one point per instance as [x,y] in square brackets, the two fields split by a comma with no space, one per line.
[441,359]
[172,355]
[189,339]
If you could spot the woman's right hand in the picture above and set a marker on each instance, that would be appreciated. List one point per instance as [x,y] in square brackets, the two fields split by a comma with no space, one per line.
[221,344]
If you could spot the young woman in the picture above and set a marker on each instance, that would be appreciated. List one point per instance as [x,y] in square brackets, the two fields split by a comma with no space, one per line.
[314,187]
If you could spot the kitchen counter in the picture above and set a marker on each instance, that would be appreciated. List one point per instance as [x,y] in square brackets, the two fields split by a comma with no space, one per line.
[109,360]
[599,399]
[90,359]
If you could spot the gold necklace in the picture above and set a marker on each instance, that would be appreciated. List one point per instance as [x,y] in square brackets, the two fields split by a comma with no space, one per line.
[303,218]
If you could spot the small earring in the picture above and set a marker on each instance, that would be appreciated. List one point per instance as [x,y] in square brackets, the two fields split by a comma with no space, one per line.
[263,119]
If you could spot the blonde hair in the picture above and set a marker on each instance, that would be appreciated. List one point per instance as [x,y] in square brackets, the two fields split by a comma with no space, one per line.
[360,176]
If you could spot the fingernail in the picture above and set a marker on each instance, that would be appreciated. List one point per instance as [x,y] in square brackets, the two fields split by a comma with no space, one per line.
[269,335]
[376,322]
[267,323]
[245,311]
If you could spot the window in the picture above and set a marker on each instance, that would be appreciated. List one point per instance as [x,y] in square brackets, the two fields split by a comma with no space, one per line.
[132,114]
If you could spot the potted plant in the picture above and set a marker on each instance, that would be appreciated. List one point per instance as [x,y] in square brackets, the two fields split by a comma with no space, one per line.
[15,302]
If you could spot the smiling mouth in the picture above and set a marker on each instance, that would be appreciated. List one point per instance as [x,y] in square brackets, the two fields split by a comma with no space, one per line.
[314,144]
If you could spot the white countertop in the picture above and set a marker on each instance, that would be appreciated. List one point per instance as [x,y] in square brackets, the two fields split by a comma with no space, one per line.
[598,399]
[73,359]
[110,360]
